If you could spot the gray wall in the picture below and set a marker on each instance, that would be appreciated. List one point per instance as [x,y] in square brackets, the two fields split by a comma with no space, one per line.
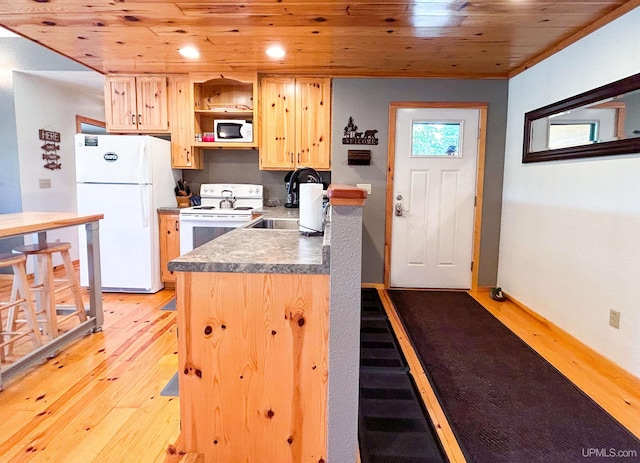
[240,166]
[367,101]
[345,232]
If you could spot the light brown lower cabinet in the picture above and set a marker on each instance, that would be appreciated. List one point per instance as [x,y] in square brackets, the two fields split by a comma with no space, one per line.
[253,366]
[169,226]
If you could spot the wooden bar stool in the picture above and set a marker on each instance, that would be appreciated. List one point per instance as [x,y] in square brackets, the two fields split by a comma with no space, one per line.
[20,299]
[48,287]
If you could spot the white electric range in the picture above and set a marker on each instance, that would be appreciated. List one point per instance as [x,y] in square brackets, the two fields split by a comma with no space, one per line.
[203,223]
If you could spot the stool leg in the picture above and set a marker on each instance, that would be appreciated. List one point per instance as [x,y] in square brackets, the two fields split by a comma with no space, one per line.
[3,338]
[75,287]
[14,290]
[20,276]
[11,325]
[20,300]
[11,316]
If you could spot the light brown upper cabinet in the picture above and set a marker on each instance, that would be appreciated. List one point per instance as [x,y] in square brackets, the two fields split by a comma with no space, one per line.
[295,123]
[227,98]
[183,154]
[136,104]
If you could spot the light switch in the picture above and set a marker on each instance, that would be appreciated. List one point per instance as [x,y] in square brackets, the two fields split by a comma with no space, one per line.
[364,186]
[45,183]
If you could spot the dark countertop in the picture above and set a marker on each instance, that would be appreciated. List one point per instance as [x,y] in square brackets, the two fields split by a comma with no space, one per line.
[169,209]
[277,211]
[254,250]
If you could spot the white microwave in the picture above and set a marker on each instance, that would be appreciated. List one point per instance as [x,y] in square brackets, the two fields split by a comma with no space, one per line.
[233,130]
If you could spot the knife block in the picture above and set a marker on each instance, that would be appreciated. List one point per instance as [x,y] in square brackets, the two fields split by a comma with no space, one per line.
[183,201]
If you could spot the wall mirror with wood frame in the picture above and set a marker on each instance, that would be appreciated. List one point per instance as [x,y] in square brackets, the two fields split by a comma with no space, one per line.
[601,122]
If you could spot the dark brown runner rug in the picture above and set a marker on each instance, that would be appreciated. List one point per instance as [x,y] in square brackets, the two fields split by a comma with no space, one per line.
[504,402]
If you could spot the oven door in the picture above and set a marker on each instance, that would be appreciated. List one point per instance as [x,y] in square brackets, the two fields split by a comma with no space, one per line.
[196,230]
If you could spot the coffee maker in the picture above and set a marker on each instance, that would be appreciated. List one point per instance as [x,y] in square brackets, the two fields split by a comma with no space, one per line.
[294,179]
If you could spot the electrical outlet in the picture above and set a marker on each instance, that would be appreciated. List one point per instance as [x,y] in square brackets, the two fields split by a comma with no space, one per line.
[614,318]
[364,186]
[44,183]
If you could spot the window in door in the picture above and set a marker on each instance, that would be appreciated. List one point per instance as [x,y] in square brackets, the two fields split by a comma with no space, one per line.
[431,138]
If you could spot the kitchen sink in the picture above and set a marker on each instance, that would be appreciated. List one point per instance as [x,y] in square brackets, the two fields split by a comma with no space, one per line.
[275,224]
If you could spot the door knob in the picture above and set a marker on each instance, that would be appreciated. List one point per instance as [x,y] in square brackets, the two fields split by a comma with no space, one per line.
[398,209]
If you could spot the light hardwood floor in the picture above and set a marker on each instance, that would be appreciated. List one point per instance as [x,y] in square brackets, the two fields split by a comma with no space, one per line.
[99,399]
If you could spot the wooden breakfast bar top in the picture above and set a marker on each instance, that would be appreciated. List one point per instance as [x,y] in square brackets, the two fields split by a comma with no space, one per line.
[24,223]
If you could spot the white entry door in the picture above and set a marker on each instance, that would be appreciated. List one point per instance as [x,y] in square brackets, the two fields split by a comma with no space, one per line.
[434,188]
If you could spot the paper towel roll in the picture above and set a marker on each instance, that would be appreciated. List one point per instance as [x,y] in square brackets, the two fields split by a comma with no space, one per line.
[310,202]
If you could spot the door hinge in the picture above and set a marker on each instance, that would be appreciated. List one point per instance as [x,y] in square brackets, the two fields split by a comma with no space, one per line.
[472,266]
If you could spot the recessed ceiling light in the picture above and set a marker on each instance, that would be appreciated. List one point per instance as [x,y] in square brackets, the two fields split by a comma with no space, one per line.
[189,52]
[276,51]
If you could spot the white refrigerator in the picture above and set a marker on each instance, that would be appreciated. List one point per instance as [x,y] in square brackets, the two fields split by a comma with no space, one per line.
[126,178]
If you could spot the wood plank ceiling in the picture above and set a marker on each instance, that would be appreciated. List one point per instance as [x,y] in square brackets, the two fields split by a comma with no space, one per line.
[378,38]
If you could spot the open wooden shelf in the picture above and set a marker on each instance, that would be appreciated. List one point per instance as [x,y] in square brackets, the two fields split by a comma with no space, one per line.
[228,96]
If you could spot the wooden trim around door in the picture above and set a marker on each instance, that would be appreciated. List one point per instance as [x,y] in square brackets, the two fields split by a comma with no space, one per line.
[482,138]
[87,120]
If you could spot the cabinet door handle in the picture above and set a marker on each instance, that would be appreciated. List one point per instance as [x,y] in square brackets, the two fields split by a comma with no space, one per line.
[177,225]
[298,158]
[133,119]
[139,119]
[291,157]
[188,161]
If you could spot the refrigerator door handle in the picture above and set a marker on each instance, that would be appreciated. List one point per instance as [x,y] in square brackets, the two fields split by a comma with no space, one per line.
[144,205]
[142,163]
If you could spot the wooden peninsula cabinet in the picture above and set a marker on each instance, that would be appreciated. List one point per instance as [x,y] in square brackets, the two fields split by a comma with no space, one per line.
[169,226]
[268,350]
[136,104]
[253,356]
[295,123]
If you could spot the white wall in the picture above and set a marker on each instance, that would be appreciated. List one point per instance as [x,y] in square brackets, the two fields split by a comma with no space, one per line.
[43,103]
[570,234]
